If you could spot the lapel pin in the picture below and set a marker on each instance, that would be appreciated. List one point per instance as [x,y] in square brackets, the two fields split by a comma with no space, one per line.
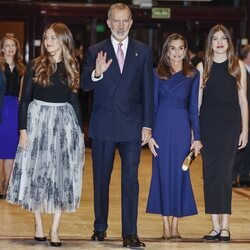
[136,54]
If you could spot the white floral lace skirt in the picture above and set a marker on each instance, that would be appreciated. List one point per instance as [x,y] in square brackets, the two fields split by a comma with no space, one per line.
[47,176]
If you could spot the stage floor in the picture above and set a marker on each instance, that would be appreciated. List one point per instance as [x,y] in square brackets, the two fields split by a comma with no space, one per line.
[17,227]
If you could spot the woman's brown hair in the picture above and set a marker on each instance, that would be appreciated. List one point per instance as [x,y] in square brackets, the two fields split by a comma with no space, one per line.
[233,61]
[45,66]
[18,58]
[164,69]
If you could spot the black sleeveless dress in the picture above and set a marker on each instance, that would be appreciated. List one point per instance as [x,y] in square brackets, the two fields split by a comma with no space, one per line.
[220,127]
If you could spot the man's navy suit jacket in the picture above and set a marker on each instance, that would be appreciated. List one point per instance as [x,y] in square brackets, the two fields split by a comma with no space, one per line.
[123,103]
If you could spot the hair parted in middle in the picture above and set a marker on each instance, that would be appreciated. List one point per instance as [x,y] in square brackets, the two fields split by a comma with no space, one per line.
[45,66]
[18,57]
[233,61]
[164,69]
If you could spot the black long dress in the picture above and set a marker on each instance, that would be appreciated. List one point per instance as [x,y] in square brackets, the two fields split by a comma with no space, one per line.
[220,126]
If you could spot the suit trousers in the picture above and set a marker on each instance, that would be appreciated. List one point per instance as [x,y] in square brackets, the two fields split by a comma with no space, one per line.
[103,153]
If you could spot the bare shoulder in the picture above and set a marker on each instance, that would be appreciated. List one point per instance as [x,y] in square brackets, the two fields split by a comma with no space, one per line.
[200,67]
[242,65]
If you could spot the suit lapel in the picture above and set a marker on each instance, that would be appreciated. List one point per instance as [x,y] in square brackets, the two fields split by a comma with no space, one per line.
[130,57]
[114,70]
[112,55]
[129,64]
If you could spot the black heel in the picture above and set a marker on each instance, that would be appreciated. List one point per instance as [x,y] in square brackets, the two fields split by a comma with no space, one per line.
[55,243]
[40,238]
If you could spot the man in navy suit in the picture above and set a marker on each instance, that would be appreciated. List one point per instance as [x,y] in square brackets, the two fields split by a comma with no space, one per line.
[122,117]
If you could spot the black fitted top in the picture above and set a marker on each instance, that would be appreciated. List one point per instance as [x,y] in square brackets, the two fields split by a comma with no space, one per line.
[57,92]
[12,81]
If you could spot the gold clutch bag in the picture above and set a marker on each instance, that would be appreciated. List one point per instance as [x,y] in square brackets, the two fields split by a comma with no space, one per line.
[188,160]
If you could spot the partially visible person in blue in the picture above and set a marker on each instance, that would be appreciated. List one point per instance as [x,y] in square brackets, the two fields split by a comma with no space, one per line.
[11,64]
[2,92]
[47,171]
[176,86]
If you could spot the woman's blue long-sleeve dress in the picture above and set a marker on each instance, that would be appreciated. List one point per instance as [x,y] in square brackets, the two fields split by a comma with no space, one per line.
[176,114]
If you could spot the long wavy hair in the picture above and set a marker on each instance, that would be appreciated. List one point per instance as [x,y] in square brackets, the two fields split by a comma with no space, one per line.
[45,66]
[164,69]
[18,57]
[233,61]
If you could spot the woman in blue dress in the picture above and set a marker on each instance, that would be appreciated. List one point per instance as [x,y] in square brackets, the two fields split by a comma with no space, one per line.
[12,68]
[175,132]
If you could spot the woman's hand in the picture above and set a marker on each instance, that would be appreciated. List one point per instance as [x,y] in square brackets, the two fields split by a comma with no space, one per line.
[146,135]
[243,140]
[196,145]
[152,145]
[23,139]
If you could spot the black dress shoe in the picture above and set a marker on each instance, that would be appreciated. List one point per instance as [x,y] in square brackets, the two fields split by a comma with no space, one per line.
[98,235]
[132,241]
[235,184]
[40,238]
[210,237]
[224,238]
[244,183]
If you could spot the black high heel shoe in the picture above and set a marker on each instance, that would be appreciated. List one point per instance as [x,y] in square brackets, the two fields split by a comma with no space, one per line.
[3,196]
[40,238]
[210,237]
[224,238]
[55,243]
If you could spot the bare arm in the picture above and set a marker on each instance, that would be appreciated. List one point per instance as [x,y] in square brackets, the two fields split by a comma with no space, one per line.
[146,135]
[243,106]
[23,139]
[200,68]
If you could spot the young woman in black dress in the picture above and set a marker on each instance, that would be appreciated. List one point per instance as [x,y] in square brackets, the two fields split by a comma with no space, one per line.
[223,125]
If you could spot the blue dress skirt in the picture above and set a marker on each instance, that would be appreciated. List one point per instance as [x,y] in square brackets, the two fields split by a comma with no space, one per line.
[9,127]
[176,112]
